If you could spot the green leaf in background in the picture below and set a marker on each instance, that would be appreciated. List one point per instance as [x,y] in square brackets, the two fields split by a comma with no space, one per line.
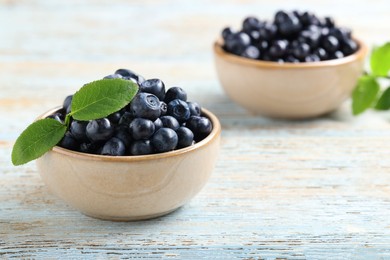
[102,97]
[37,139]
[364,94]
[384,101]
[380,60]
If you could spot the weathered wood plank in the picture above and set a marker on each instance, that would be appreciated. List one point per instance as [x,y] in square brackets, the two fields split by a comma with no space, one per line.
[312,189]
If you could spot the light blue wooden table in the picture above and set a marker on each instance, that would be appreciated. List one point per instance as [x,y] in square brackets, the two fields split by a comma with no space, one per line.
[316,189]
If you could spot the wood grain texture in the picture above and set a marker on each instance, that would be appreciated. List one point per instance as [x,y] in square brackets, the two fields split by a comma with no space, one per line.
[312,189]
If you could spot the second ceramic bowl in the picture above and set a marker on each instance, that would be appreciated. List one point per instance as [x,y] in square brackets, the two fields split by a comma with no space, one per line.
[288,90]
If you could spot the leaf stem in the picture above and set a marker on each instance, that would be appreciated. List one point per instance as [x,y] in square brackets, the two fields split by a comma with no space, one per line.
[67,120]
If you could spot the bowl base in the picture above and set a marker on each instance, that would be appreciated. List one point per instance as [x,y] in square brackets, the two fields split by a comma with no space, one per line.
[130,218]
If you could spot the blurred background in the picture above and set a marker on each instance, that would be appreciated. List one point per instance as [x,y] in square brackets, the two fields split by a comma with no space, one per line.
[49,49]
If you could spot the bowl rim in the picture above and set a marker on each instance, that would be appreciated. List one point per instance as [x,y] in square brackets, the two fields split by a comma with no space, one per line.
[215,133]
[359,54]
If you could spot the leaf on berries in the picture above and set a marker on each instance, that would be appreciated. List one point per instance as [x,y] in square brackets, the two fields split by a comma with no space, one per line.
[101,98]
[37,139]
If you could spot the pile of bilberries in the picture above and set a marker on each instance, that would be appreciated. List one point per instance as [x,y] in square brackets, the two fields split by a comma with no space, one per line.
[155,121]
[290,37]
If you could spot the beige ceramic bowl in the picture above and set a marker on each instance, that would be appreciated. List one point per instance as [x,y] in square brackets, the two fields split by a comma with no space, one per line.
[127,188]
[289,90]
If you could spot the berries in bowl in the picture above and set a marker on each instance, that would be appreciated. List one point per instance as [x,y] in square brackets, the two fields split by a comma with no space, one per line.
[125,149]
[295,66]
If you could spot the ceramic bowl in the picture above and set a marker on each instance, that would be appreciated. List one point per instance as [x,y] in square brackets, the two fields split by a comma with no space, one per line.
[288,90]
[124,188]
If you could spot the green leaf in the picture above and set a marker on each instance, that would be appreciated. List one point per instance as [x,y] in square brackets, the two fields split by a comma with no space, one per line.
[384,101]
[101,98]
[380,60]
[364,94]
[37,139]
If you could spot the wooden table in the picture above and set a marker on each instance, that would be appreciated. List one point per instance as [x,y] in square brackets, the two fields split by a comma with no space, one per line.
[314,189]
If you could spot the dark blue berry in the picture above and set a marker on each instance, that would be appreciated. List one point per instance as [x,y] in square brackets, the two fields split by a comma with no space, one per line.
[128,74]
[324,32]
[140,79]
[78,130]
[312,58]
[297,13]
[179,110]
[93,148]
[307,19]
[141,147]
[145,105]
[115,117]
[200,126]
[226,32]
[153,86]
[341,34]
[132,80]
[122,132]
[67,104]
[126,119]
[292,59]
[315,29]
[164,140]
[301,51]
[195,108]
[251,23]
[263,45]
[185,137]
[170,122]
[266,57]
[113,76]
[69,142]
[99,130]
[114,147]
[349,47]
[268,31]
[125,72]
[175,93]
[61,112]
[330,44]
[157,124]
[57,116]
[278,49]
[289,26]
[336,55]
[329,22]
[141,128]
[163,108]
[321,53]
[280,17]
[255,36]
[311,38]
[251,52]
[293,44]
[237,42]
